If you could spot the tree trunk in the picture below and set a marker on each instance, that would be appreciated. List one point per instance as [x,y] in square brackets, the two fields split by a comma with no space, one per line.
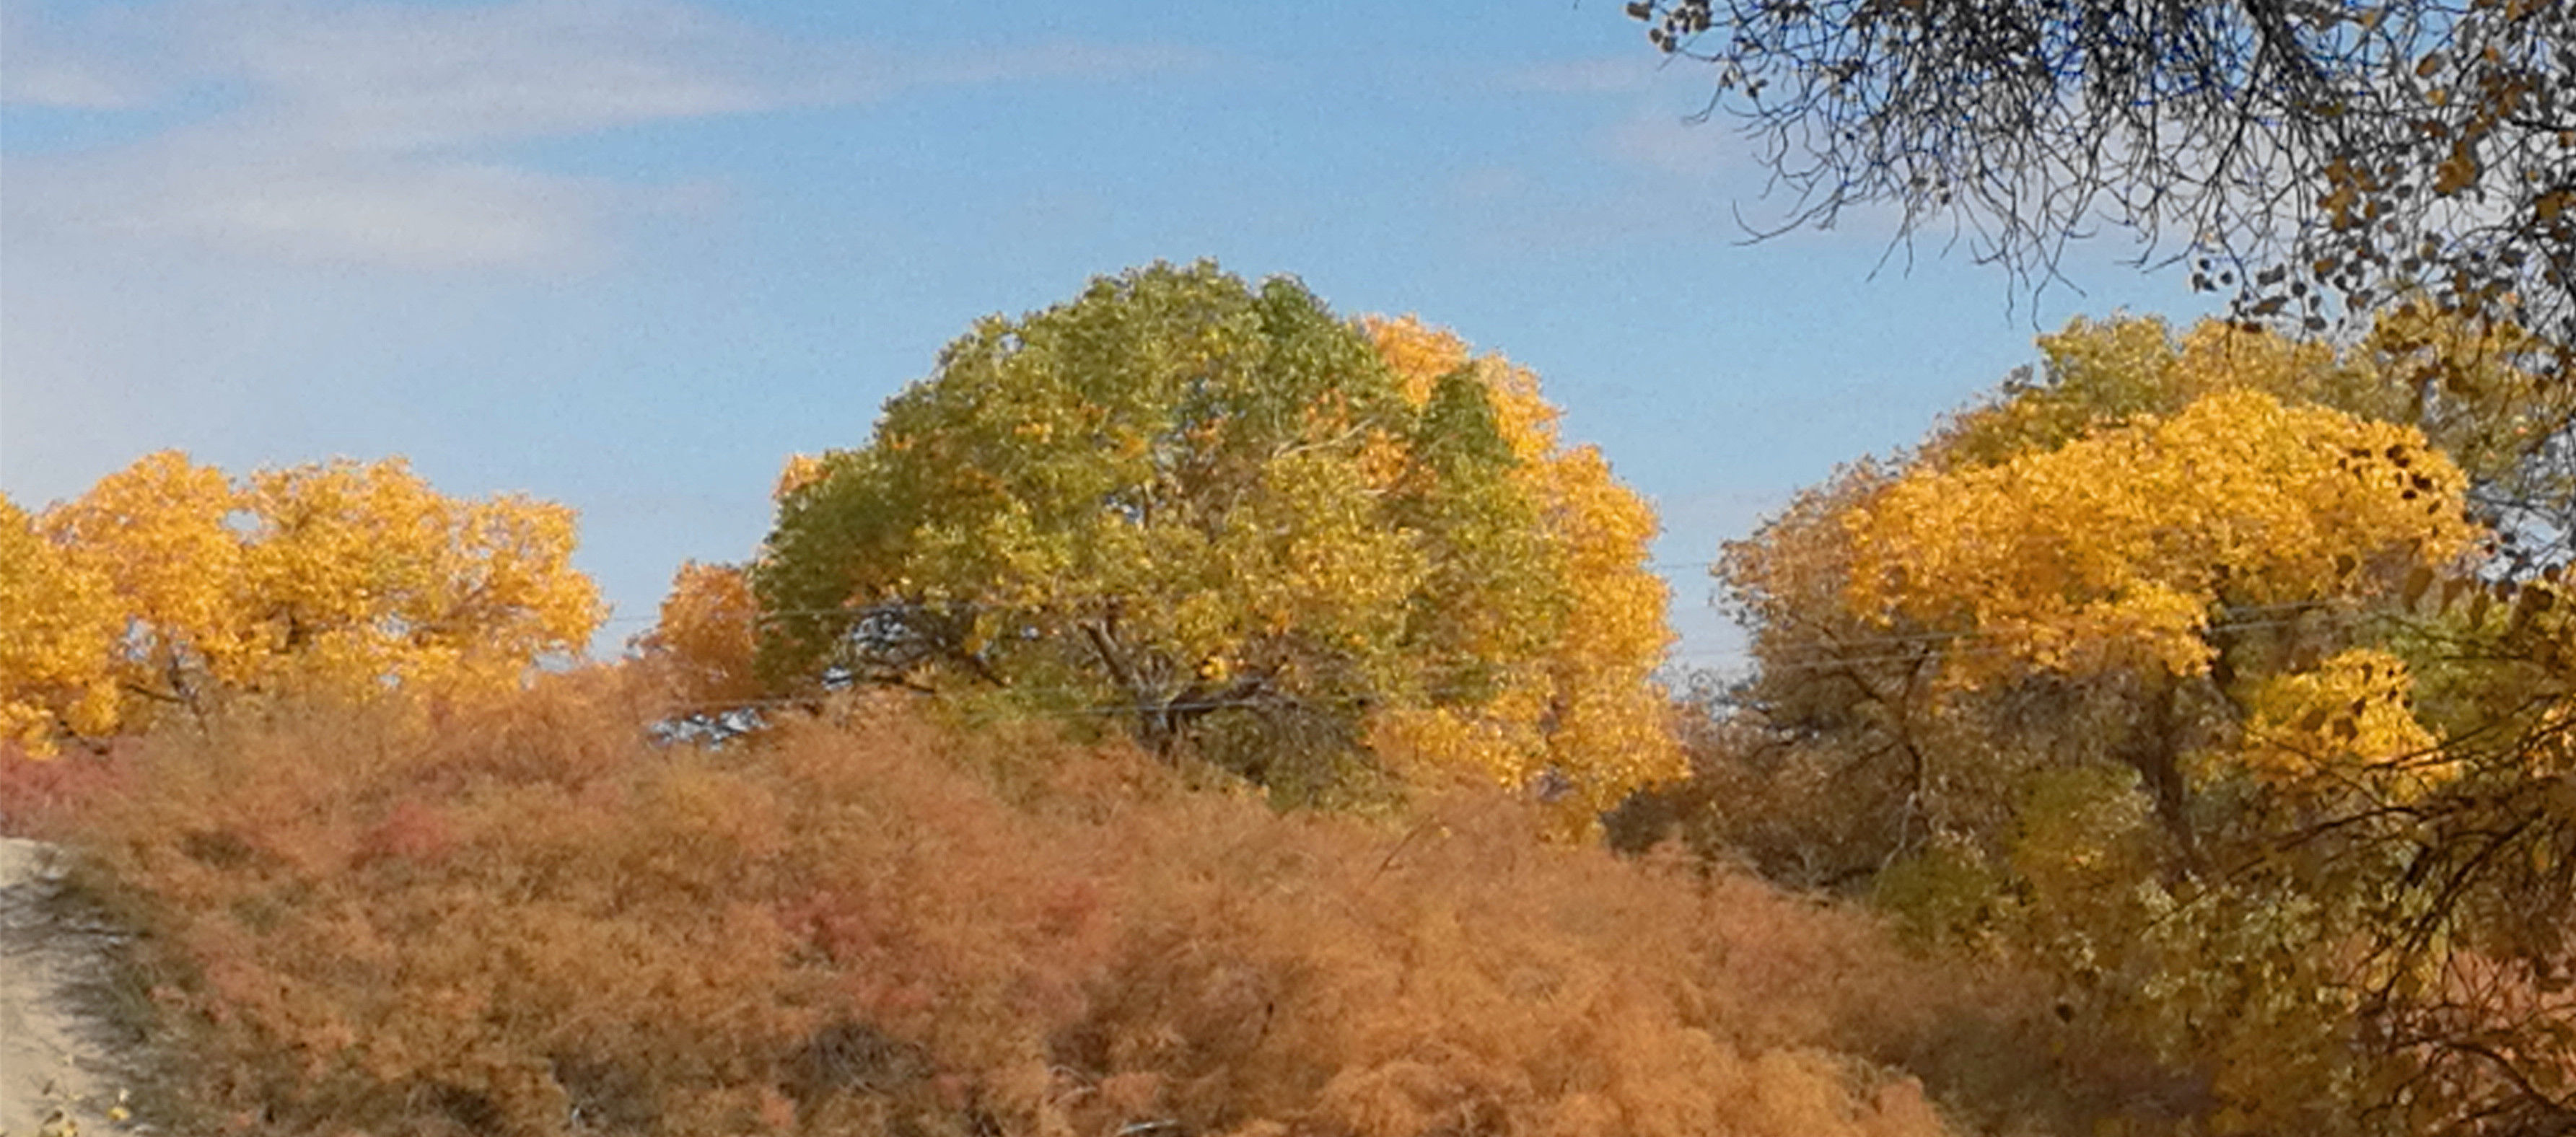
[2155,751]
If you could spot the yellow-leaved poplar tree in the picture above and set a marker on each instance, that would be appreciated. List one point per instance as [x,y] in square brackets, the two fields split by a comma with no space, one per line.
[1588,700]
[2187,673]
[59,625]
[2481,395]
[2115,549]
[341,578]
[707,639]
[2123,552]
[361,573]
[159,531]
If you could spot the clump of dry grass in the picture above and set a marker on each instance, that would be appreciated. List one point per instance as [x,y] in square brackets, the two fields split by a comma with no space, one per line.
[527,918]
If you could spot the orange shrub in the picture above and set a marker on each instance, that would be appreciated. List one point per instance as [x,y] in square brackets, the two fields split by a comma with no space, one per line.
[531,920]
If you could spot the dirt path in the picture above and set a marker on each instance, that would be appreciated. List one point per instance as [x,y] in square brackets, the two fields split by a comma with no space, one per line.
[53,1063]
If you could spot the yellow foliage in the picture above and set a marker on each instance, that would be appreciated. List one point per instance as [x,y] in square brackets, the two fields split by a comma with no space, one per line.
[2182,671]
[158,531]
[801,470]
[1587,707]
[708,635]
[2482,392]
[2346,723]
[356,574]
[58,624]
[2104,373]
[1420,355]
[343,577]
[2112,551]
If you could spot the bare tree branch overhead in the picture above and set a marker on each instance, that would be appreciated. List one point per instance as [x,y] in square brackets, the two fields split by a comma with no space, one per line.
[2311,158]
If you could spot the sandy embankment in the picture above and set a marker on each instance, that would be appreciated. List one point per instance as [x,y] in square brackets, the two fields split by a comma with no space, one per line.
[53,1057]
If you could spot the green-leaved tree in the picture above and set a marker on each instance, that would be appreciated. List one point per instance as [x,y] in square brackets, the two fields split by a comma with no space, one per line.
[1224,516]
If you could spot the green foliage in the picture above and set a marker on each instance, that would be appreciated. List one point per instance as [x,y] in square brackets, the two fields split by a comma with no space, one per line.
[1208,510]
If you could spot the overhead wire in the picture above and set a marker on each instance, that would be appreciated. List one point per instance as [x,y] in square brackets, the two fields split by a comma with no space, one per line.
[1821,662]
[1657,567]
[1844,651]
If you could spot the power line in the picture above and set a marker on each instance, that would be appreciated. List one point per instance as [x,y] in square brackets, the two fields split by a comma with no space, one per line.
[1823,662]
[2299,607]
[1657,566]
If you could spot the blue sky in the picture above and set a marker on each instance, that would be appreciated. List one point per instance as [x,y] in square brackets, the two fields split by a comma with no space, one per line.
[630,254]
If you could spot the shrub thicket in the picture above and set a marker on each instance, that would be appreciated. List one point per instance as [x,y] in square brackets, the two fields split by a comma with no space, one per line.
[529,918]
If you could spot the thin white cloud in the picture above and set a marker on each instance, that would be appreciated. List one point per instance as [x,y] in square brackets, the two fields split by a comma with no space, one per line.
[70,83]
[1712,160]
[1056,60]
[376,134]
[399,78]
[1622,74]
[1675,145]
[102,65]
[330,209]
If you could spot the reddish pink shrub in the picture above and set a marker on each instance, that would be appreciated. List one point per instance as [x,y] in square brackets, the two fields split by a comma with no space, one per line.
[37,794]
[530,919]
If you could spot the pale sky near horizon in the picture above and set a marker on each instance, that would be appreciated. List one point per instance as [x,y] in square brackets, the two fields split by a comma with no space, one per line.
[630,254]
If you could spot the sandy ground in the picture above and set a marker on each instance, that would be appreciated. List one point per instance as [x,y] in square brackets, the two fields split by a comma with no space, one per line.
[53,1064]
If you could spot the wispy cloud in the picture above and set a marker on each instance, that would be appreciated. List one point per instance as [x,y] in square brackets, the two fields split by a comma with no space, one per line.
[1672,144]
[1618,74]
[1686,168]
[112,68]
[1054,60]
[251,198]
[379,134]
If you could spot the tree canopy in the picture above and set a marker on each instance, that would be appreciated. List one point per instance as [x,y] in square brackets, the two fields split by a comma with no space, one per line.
[169,585]
[2298,153]
[1244,527]
[2186,672]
